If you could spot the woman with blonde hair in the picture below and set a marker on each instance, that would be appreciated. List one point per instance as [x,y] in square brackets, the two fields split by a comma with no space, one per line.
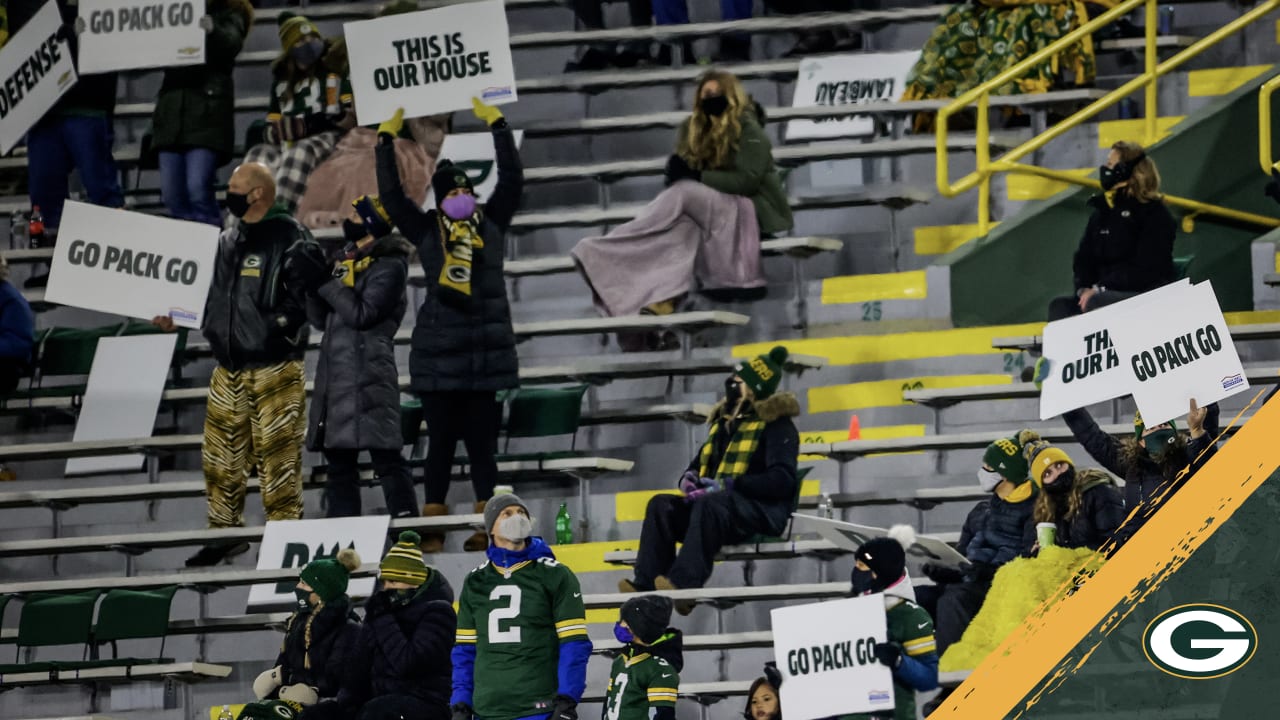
[703,231]
[1127,248]
[1084,506]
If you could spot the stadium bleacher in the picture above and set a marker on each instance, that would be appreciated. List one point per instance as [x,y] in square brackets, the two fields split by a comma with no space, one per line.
[595,146]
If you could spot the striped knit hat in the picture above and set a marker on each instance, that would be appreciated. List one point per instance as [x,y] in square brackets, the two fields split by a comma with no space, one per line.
[403,562]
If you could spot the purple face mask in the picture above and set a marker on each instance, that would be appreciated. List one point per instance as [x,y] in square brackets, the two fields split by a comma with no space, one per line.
[622,634]
[459,207]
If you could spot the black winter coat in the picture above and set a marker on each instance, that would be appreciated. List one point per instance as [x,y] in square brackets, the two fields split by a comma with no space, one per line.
[250,318]
[196,104]
[1144,478]
[993,533]
[404,651]
[458,349]
[1100,514]
[333,634]
[91,93]
[356,404]
[1127,247]
[762,498]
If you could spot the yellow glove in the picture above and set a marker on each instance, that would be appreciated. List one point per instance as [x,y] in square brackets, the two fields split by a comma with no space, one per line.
[393,126]
[4,37]
[488,113]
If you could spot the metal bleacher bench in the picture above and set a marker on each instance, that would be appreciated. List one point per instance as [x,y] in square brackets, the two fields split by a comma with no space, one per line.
[784,550]
[1255,331]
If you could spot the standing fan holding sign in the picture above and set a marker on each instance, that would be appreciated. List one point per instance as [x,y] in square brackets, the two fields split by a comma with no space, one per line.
[881,567]
[463,348]
[1127,248]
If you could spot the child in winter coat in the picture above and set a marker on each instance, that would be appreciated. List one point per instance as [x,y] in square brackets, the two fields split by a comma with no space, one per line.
[762,700]
[399,668]
[1085,506]
[911,652]
[645,679]
[318,637]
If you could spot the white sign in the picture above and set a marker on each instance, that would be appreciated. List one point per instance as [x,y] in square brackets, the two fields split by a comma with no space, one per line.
[132,264]
[1084,365]
[851,536]
[1188,354]
[35,70]
[294,543]
[474,153]
[431,61]
[122,397]
[129,34]
[826,653]
[856,79]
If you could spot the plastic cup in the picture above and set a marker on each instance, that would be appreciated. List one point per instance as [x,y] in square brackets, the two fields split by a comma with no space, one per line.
[1046,534]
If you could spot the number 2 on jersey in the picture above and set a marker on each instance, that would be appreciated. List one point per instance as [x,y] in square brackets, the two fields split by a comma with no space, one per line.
[619,688]
[497,614]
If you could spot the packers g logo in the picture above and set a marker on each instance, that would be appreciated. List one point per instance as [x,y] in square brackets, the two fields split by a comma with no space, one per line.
[1199,641]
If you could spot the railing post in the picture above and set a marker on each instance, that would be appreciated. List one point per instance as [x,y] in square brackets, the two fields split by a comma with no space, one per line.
[1265,158]
[983,167]
[1152,60]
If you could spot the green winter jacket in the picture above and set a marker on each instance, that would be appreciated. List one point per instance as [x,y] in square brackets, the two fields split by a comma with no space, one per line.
[196,105]
[750,172]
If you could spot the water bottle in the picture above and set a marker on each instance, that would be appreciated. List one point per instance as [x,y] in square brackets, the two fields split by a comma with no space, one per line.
[226,713]
[35,228]
[564,526]
[824,506]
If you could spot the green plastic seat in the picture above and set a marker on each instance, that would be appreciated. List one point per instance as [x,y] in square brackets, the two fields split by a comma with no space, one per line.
[545,412]
[133,615]
[54,620]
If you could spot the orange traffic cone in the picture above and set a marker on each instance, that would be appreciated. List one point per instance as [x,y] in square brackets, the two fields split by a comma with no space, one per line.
[855,428]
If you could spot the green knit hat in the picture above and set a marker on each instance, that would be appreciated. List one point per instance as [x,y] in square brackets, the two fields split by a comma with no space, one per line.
[1140,427]
[763,374]
[270,710]
[1005,456]
[403,562]
[328,576]
[292,28]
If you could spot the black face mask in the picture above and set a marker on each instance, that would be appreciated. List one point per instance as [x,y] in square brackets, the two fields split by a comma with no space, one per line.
[353,231]
[715,105]
[237,203]
[863,581]
[1109,177]
[1063,484]
[304,599]
[732,392]
[306,54]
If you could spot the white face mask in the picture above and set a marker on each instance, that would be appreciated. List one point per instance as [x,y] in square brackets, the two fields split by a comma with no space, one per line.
[514,527]
[988,479]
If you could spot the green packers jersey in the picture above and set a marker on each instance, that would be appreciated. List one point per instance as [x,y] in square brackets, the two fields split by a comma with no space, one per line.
[910,626]
[517,619]
[637,683]
[309,96]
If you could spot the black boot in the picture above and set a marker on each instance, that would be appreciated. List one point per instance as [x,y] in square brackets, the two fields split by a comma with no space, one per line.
[216,553]
[812,43]
[594,59]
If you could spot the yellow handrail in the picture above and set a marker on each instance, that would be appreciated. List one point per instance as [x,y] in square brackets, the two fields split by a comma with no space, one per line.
[1265,159]
[986,167]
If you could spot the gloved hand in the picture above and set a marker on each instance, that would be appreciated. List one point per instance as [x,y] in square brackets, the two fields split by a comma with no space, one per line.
[1041,372]
[563,707]
[317,123]
[206,24]
[695,487]
[392,127]
[889,655]
[678,169]
[488,113]
[773,675]
[305,268]
[1273,187]
[462,711]
[380,603]
[689,482]
[943,574]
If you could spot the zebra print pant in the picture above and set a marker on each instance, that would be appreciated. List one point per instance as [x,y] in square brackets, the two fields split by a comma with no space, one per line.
[255,417]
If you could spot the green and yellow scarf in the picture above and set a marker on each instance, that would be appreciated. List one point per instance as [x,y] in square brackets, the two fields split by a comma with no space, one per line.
[461,240]
[737,455]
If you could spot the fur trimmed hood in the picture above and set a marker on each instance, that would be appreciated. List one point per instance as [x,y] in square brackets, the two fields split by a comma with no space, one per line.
[778,405]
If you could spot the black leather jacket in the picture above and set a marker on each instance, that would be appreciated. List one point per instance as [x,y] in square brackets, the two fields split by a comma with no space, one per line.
[251,319]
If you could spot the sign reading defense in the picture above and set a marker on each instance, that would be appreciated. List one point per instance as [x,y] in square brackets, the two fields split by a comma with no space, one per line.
[431,61]
[35,70]
[838,80]
[132,264]
[832,645]
[1188,354]
[129,34]
[1084,365]
[294,543]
